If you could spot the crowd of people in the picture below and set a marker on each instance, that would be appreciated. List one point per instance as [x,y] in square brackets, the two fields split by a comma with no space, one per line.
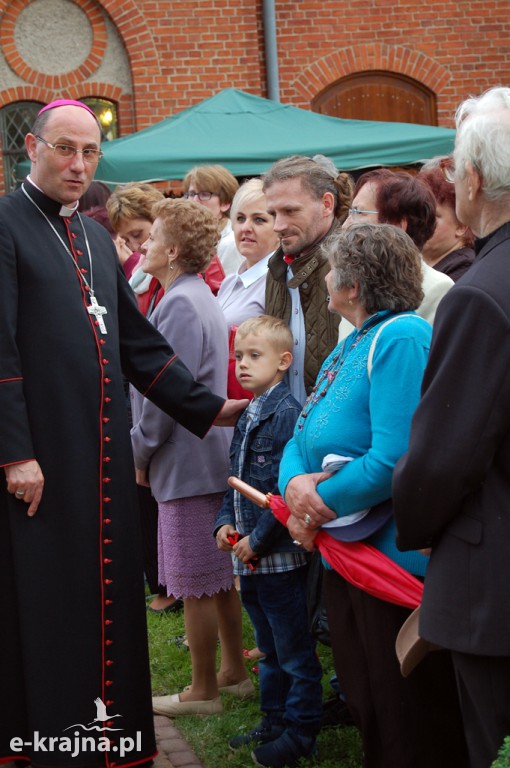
[338,344]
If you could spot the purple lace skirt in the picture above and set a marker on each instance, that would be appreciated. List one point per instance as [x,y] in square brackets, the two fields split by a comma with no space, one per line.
[189,562]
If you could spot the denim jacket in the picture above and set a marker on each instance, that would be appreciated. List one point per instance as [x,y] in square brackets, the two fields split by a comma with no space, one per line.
[267,436]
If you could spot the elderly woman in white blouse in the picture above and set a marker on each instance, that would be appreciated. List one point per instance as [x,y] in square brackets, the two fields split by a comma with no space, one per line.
[242,295]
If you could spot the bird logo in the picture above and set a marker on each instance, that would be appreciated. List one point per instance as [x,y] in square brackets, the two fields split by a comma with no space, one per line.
[102,716]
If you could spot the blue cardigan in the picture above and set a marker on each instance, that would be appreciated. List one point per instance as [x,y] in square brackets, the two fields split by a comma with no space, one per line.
[368,419]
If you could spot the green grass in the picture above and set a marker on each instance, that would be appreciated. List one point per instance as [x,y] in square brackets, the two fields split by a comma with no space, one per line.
[208,736]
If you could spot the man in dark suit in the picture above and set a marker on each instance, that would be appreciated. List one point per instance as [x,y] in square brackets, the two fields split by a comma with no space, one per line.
[452,489]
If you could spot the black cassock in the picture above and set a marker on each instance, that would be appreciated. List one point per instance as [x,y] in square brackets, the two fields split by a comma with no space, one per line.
[72,609]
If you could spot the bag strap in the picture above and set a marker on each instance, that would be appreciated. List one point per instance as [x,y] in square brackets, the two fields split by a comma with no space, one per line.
[374,341]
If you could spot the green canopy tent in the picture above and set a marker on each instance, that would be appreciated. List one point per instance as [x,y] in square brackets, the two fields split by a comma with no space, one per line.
[246,134]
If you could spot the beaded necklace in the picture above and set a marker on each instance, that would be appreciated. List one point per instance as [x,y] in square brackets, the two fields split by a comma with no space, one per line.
[330,373]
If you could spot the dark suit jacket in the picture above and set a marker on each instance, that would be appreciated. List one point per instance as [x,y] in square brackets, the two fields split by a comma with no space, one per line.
[451,490]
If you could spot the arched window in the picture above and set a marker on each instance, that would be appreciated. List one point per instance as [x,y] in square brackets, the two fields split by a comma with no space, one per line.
[106,113]
[378,95]
[16,121]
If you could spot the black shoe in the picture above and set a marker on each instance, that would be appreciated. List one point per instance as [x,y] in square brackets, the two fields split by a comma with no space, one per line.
[335,712]
[285,751]
[174,607]
[263,732]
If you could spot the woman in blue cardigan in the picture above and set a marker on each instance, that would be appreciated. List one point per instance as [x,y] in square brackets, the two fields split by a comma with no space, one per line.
[361,408]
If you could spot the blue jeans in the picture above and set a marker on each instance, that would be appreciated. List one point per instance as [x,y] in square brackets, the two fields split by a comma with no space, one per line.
[290,673]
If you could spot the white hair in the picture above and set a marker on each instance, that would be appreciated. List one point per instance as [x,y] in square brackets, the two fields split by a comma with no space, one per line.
[483,139]
[247,193]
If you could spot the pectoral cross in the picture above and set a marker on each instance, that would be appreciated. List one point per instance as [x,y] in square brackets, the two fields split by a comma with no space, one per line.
[98,312]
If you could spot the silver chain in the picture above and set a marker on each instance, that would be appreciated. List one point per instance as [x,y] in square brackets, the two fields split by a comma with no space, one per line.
[90,285]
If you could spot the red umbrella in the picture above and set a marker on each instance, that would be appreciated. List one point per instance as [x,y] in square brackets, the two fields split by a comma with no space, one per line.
[359,563]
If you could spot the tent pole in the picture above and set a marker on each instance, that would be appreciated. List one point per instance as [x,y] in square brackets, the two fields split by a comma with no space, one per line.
[272,77]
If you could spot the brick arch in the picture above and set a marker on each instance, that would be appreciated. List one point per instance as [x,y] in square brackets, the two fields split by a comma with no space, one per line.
[128,20]
[97,89]
[369,56]
[65,79]
[138,43]
[136,36]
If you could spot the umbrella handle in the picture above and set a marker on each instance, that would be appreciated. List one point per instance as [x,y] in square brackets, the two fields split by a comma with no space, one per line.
[251,493]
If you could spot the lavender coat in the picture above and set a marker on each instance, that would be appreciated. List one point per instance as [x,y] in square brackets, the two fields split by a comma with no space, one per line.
[182,465]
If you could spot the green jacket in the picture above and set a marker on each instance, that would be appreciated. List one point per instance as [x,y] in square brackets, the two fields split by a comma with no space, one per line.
[321,326]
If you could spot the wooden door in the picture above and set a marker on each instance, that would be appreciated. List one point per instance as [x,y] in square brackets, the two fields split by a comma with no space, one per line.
[378,95]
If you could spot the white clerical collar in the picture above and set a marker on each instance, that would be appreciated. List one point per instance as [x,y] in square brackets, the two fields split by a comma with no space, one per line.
[254,273]
[65,210]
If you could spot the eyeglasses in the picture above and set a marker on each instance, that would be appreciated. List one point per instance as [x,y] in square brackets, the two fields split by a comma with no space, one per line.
[67,151]
[202,196]
[355,212]
[448,169]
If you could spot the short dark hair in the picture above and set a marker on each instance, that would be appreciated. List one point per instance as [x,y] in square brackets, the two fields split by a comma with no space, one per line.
[444,193]
[382,260]
[402,196]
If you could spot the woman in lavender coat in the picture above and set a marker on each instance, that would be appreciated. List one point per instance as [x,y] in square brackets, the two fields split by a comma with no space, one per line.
[187,476]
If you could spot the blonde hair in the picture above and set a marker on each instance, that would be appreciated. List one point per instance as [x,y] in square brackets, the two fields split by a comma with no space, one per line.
[249,192]
[215,179]
[192,228]
[275,330]
[132,201]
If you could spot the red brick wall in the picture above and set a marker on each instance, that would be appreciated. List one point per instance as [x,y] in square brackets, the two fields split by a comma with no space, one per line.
[456,48]
[182,52]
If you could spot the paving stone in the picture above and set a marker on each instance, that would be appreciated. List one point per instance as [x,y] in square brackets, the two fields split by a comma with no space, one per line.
[173,745]
[183,759]
[166,732]
[174,750]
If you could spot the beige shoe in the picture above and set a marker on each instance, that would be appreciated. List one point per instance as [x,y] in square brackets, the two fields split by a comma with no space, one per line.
[243,690]
[172,706]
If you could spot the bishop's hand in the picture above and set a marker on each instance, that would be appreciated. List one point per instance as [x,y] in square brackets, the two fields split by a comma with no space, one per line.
[25,481]
[230,412]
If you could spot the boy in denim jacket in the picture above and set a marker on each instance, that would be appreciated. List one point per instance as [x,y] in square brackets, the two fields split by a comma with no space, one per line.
[274,592]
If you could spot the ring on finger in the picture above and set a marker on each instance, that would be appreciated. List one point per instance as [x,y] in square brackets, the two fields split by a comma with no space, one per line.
[19,494]
[307,519]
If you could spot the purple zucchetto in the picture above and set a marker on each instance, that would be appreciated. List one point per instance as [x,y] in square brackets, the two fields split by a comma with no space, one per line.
[65,103]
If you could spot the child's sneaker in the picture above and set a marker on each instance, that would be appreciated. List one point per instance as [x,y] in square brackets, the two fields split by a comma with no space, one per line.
[263,732]
[285,751]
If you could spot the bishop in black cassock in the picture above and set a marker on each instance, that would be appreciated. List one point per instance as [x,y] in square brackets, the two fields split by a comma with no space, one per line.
[72,607]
